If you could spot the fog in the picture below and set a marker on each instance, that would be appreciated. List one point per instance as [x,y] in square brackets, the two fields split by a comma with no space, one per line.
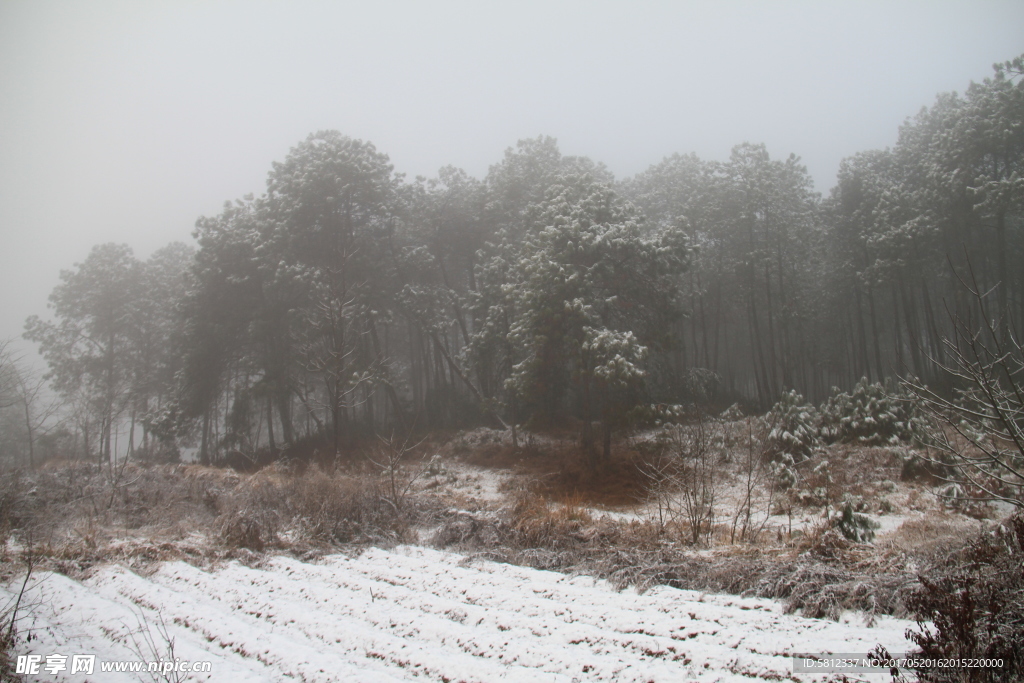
[126,121]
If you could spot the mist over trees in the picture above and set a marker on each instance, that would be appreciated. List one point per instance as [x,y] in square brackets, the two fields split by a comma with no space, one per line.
[347,300]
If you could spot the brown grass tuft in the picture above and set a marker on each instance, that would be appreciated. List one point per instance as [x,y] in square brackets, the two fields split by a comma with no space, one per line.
[77,516]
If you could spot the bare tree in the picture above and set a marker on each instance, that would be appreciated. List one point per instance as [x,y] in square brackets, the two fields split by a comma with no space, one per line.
[980,432]
[38,409]
[9,375]
[159,648]
[682,480]
[29,411]
[389,459]
[756,472]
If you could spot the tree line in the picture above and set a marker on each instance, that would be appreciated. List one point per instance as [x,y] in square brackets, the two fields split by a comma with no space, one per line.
[346,299]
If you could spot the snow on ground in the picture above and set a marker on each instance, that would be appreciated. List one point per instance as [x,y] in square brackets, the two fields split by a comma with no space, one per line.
[418,613]
[480,483]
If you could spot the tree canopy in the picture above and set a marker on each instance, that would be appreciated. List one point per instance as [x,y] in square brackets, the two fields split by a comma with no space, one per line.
[345,299]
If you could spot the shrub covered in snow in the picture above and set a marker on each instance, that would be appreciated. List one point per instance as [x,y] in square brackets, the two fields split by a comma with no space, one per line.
[469,441]
[784,472]
[702,385]
[794,427]
[732,413]
[854,526]
[870,415]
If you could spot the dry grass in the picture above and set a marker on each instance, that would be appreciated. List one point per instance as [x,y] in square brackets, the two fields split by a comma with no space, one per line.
[616,483]
[75,516]
[813,587]
[559,466]
[320,506]
[820,574]
[970,605]
[932,532]
[8,640]
[552,525]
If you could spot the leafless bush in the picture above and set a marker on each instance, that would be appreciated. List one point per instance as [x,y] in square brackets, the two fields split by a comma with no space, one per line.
[9,630]
[251,517]
[79,514]
[757,473]
[469,531]
[150,647]
[391,459]
[659,472]
[72,510]
[970,605]
[681,478]
[326,507]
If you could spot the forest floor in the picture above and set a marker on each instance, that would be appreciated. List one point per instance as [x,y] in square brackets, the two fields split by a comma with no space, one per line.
[438,572]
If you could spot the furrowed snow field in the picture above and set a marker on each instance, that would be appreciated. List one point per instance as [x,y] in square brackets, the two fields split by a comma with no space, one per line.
[416,613]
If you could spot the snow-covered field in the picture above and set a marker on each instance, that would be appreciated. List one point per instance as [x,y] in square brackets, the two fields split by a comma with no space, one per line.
[416,613]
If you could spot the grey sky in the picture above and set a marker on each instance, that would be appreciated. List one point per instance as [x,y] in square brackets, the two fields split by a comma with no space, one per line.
[126,121]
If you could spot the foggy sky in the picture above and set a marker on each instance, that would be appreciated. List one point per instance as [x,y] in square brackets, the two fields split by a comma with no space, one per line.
[126,121]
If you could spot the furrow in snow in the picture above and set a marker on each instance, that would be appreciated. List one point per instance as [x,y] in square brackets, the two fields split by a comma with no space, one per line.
[71,618]
[565,624]
[338,617]
[224,626]
[483,632]
[426,614]
[663,611]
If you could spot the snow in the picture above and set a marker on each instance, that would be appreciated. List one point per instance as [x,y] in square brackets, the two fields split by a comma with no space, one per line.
[483,484]
[413,612]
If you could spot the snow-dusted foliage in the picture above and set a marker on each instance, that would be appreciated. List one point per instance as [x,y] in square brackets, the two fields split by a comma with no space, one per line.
[855,527]
[870,415]
[701,385]
[783,472]
[613,357]
[732,413]
[569,308]
[794,427]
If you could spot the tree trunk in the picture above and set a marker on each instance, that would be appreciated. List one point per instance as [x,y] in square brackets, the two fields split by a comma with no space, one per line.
[862,334]
[1002,290]
[388,386]
[911,319]
[465,380]
[774,361]
[607,451]
[876,342]
[270,427]
[28,428]
[586,434]
[204,446]
[284,409]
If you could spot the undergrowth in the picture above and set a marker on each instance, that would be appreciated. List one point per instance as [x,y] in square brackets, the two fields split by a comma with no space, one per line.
[819,575]
[79,515]
[970,605]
